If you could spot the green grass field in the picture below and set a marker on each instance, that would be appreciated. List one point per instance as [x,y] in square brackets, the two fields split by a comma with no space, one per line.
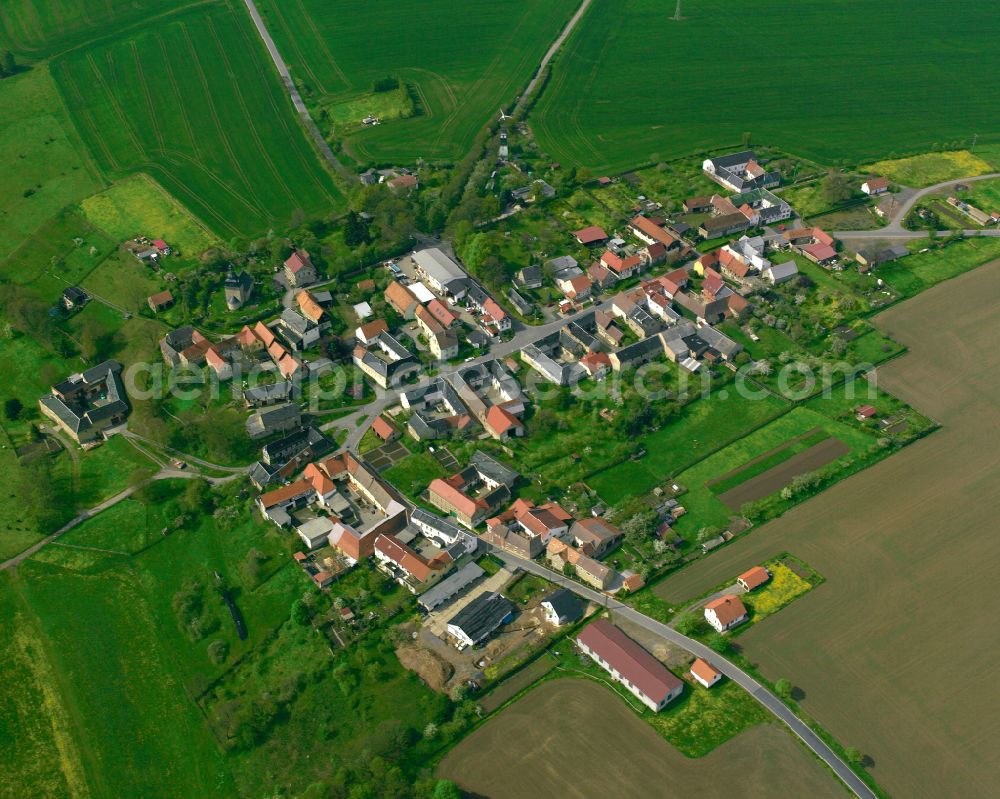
[194,103]
[920,271]
[701,427]
[45,165]
[632,86]
[139,206]
[463,62]
[701,501]
[120,731]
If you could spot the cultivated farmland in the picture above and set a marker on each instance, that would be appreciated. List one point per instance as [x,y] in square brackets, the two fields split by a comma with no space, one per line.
[194,103]
[37,29]
[579,740]
[890,653]
[460,63]
[808,82]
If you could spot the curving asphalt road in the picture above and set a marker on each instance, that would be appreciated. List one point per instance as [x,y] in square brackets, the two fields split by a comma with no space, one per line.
[759,692]
[895,229]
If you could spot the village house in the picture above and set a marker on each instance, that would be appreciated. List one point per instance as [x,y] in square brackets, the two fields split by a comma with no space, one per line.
[562,607]
[534,521]
[513,541]
[777,274]
[269,394]
[595,536]
[443,343]
[814,243]
[591,571]
[725,613]
[629,664]
[646,230]
[385,360]
[299,269]
[407,567]
[530,277]
[369,332]
[385,429]
[311,309]
[88,405]
[274,419]
[282,458]
[502,424]
[875,185]
[401,299]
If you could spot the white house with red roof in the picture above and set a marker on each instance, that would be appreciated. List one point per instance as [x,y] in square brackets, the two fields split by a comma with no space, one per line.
[704,673]
[725,612]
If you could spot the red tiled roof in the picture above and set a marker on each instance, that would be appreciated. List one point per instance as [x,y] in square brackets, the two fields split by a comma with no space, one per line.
[297,261]
[821,252]
[594,361]
[493,310]
[409,561]
[501,420]
[308,305]
[161,298]
[383,428]
[727,608]
[373,328]
[399,297]
[754,577]
[629,659]
[705,671]
[440,312]
[285,493]
[590,235]
[264,333]
[654,231]
[454,497]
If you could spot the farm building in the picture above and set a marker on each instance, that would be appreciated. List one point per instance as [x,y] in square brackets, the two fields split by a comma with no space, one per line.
[478,620]
[160,301]
[590,236]
[630,664]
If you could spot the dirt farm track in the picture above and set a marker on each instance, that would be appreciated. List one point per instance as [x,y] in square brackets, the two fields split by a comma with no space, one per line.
[575,739]
[896,653]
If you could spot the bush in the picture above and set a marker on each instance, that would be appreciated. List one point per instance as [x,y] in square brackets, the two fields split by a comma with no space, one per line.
[386,84]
